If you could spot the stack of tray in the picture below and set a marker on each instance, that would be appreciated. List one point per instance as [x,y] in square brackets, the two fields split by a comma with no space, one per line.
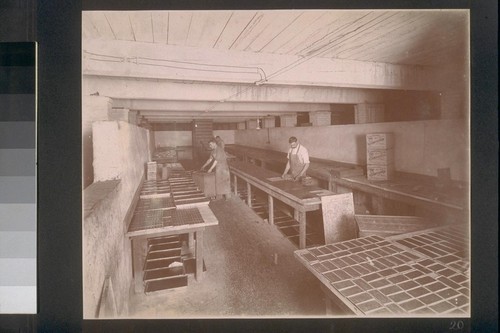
[152,170]
[163,268]
[155,189]
[186,194]
[161,203]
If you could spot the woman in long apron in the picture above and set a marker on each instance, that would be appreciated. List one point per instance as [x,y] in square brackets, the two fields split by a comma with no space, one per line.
[222,178]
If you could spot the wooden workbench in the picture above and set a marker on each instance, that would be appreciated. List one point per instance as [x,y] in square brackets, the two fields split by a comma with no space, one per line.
[169,207]
[406,194]
[452,202]
[157,223]
[421,273]
[301,198]
[276,160]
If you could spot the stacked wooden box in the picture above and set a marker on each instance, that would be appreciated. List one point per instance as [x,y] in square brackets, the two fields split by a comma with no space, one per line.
[152,168]
[380,156]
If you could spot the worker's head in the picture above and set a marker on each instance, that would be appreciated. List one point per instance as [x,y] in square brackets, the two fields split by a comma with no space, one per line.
[212,144]
[293,142]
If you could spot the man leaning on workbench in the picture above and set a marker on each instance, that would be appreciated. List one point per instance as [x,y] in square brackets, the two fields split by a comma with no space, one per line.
[298,160]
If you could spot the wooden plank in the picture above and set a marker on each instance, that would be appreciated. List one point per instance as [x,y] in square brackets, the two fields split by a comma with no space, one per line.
[160,27]
[234,27]
[142,26]
[208,29]
[389,225]
[389,191]
[107,307]
[178,27]
[338,217]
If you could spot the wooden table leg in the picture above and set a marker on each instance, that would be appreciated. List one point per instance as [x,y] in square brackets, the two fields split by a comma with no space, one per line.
[139,251]
[199,255]
[235,185]
[301,218]
[190,239]
[249,194]
[270,200]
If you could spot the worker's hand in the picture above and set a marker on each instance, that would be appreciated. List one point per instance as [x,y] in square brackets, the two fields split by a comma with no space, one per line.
[202,168]
[210,170]
[283,176]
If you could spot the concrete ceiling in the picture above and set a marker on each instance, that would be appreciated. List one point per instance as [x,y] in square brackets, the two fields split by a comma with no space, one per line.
[220,56]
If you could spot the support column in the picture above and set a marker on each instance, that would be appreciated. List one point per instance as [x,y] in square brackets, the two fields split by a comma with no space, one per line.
[300,217]
[235,185]
[199,255]
[249,195]
[191,240]
[270,201]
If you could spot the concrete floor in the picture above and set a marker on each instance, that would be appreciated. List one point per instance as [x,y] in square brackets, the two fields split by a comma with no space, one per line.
[251,272]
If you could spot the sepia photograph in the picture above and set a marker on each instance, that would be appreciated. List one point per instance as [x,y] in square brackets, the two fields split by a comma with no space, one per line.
[276,164]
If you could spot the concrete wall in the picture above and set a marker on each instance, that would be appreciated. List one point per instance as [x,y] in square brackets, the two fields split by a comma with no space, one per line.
[120,152]
[94,108]
[421,146]
[173,138]
[226,135]
[185,138]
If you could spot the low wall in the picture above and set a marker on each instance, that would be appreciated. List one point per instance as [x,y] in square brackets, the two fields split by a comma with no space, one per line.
[120,153]
[421,147]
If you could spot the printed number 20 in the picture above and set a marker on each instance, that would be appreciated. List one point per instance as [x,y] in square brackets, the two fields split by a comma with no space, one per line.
[456,325]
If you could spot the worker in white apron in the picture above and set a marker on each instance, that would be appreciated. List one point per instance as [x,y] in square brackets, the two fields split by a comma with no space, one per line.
[298,160]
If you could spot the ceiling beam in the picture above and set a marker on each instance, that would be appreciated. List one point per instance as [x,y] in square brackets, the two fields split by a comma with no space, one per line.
[128,88]
[153,106]
[126,59]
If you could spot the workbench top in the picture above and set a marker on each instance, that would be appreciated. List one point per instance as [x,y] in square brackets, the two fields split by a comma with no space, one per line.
[420,273]
[273,181]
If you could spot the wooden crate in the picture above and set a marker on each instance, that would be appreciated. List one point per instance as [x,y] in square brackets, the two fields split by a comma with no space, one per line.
[379,141]
[205,182]
[380,156]
[387,225]
[379,172]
